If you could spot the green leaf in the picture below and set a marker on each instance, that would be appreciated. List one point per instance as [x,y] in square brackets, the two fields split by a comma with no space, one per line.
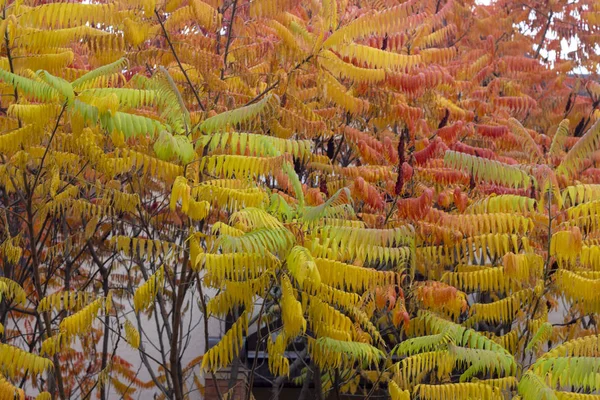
[167,146]
[131,124]
[234,117]
[62,86]
[108,69]
[34,89]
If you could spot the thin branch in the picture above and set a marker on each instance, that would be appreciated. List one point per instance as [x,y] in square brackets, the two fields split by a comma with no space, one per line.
[229,36]
[187,78]
[539,49]
[261,94]
[39,172]
[571,322]
[258,326]
[205,319]
[277,82]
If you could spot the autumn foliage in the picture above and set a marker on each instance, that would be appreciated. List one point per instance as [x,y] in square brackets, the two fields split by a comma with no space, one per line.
[393,198]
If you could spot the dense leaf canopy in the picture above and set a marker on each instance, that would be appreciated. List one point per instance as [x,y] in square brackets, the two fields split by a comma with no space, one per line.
[392,196]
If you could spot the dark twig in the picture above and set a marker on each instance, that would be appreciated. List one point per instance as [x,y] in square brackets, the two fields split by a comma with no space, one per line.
[187,78]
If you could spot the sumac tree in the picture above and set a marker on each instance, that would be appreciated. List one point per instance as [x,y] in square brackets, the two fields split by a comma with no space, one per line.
[400,194]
